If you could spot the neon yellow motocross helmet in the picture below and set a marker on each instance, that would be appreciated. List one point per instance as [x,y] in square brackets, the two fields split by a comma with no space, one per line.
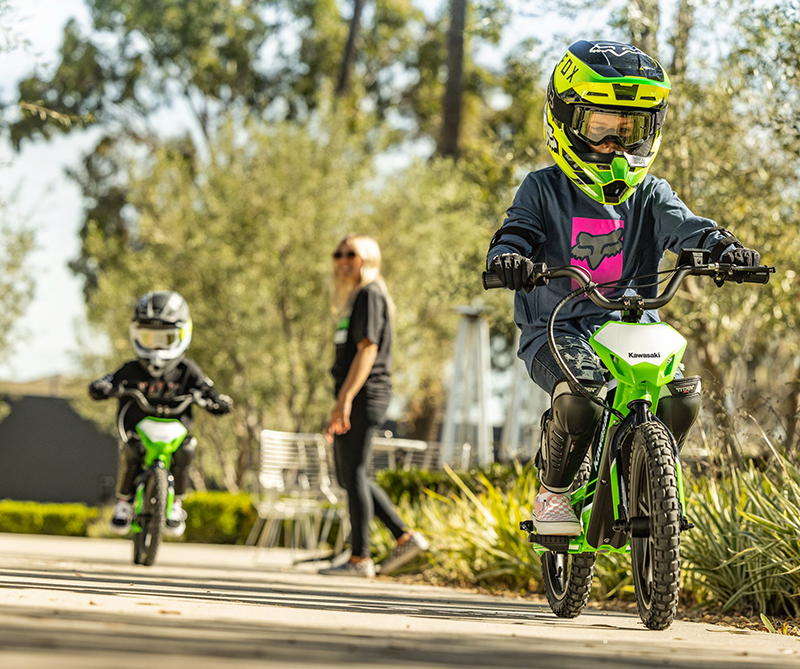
[601,91]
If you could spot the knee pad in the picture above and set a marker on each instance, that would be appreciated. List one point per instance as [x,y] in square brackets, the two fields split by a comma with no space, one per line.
[567,434]
[679,405]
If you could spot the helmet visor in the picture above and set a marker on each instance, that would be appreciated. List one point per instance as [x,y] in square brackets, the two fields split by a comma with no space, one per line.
[628,128]
[156,339]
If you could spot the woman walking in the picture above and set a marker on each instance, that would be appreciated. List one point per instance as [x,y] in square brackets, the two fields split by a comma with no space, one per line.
[361,372]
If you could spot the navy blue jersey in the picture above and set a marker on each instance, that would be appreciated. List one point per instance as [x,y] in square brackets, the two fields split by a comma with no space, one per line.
[552,221]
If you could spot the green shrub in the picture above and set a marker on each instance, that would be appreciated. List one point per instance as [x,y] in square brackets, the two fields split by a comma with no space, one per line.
[473,530]
[35,518]
[744,553]
[218,517]
[410,484]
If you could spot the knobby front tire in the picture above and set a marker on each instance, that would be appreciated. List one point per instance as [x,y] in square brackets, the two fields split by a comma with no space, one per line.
[653,494]
[154,508]
[567,578]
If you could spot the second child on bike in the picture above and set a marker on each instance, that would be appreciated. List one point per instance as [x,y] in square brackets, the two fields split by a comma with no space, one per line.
[160,333]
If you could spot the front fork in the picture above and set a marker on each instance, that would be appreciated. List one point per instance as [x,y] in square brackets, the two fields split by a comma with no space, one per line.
[622,524]
[640,413]
[138,501]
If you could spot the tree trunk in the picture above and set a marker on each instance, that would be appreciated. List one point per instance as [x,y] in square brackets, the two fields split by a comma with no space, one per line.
[643,19]
[713,381]
[425,415]
[791,407]
[343,86]
[684,22]
[454,90]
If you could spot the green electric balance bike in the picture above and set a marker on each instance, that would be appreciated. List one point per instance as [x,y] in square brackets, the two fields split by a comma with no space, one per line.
[161,435]
[628,493]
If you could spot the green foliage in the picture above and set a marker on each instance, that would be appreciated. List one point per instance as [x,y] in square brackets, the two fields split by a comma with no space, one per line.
[16,282]
[413,484]
[218,518]
[33,518]
[744,553]
[475,537]
[247,237]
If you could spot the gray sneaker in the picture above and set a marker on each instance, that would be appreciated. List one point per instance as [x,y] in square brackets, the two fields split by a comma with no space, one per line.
[363,569]
[403,554]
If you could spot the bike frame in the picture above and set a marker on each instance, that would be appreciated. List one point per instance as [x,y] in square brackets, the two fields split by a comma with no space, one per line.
[161,437]
[628,351]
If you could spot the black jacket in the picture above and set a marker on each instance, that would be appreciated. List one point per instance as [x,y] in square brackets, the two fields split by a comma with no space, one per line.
[179,380]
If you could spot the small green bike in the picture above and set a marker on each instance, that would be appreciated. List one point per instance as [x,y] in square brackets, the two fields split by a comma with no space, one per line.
[161,435]
[629,490]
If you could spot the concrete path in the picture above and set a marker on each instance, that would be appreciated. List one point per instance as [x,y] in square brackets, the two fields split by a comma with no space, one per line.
[81,603]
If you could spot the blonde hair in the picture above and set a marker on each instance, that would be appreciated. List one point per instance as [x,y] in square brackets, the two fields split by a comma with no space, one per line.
[343,292]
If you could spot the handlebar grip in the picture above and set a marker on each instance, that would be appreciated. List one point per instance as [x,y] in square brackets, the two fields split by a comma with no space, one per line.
[757,275]
[490,280]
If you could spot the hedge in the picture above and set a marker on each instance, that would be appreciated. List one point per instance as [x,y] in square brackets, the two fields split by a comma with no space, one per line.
[218,517]
[224,518]
[34,518]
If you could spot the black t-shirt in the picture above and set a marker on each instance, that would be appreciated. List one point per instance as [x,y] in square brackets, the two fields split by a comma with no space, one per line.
[369,318]
[179,380]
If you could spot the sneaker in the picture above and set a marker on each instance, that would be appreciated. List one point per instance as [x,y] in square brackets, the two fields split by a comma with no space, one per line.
[175,525]
[363,569]
[403,554]
[121,517]
[553,514]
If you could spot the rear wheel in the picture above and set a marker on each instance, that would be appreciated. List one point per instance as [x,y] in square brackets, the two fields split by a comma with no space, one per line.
[151,520]
[655,511]
[567,578]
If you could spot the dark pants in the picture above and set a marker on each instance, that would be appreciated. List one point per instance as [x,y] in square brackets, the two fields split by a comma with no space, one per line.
[364,498]
[131,457]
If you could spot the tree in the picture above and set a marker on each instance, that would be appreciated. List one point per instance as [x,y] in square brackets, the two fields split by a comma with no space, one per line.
[246,239]
[451,118]
[16,283]
[350,48]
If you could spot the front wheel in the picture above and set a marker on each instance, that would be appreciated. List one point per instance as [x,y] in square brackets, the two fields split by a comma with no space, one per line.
[567,577]
[655,510]
[151,520]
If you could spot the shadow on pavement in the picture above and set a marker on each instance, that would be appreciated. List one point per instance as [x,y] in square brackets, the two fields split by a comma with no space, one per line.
[99,633]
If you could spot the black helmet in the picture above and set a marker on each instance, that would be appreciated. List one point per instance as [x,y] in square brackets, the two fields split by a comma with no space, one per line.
[161,330]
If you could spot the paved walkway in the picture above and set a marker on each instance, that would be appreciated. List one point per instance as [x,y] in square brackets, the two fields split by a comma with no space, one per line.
[81,603]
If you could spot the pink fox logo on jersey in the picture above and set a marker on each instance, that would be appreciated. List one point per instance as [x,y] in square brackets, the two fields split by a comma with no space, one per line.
[597,247]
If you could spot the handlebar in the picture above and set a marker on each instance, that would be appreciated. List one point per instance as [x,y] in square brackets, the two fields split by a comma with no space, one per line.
[158,409]
[720,272]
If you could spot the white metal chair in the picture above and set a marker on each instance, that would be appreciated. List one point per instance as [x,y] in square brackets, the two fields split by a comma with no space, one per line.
[391,453]
[296,492]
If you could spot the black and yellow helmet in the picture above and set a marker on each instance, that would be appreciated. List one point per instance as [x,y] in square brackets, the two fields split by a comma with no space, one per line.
[601,91]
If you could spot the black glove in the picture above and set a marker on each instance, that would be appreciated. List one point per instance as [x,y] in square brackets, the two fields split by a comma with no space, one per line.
[100,389]
[513,270]
[742,257]
[219,405]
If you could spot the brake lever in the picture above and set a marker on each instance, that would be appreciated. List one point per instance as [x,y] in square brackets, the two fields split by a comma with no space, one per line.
[540,277]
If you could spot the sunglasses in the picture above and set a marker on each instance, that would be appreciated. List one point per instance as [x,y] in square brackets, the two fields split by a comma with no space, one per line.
[338,255]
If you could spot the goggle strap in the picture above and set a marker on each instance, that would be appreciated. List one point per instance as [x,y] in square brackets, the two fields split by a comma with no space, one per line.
[560,109]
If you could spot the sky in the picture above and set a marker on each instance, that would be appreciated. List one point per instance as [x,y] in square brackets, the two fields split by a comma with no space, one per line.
[40,195]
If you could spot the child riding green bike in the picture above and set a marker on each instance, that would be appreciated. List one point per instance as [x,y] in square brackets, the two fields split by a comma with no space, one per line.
[160,333]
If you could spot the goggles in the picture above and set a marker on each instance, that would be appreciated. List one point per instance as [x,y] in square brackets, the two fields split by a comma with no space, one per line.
[161,339]
[628,128]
